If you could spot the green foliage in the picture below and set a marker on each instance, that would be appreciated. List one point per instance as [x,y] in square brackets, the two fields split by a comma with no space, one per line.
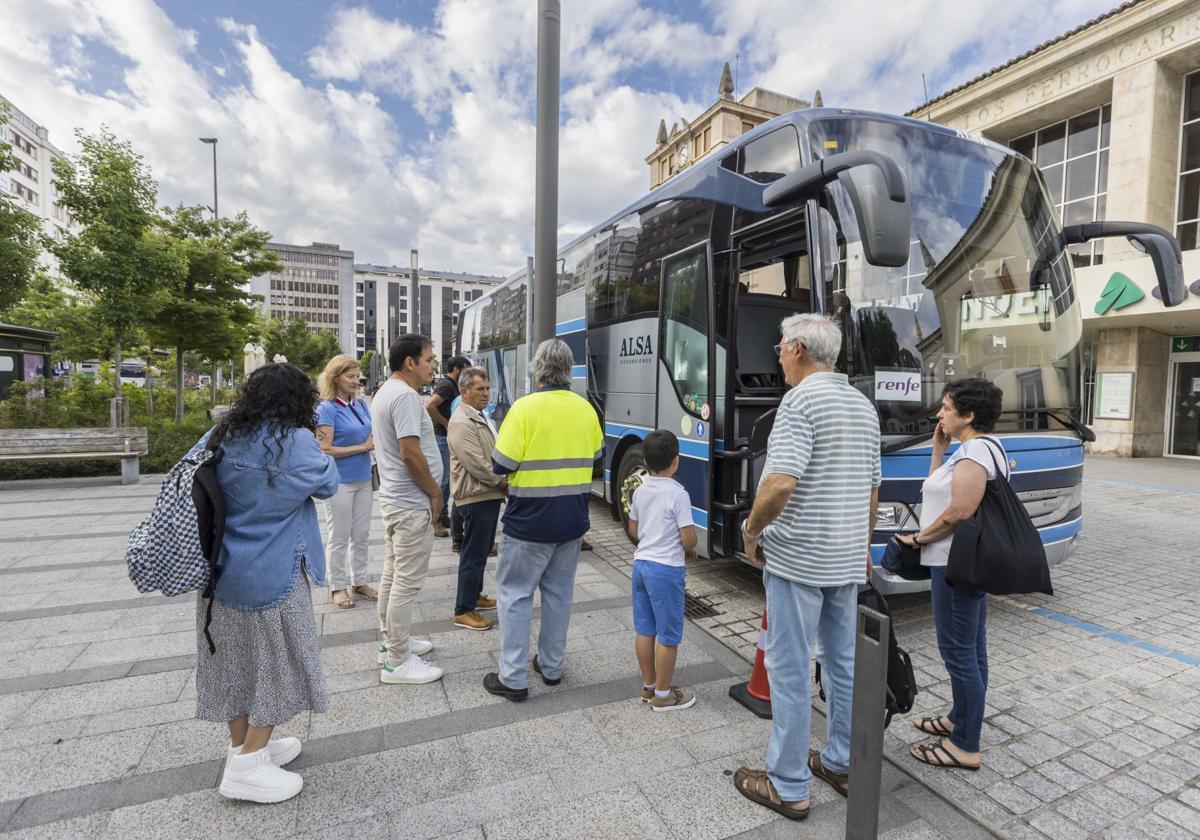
[83,401]
[20,231]
[305,350]
[117,256]
[206,309]
[47,307]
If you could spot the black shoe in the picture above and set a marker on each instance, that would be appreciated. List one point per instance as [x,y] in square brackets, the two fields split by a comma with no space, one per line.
[585,546]
[545,679]
[456,547]
[492,684]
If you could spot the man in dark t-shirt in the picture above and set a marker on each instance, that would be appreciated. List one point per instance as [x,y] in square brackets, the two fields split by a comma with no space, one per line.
[438,406]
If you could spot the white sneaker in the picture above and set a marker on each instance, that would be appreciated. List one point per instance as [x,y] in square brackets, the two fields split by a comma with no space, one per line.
[417,646]
[411,671]
[283,751]
[255,778]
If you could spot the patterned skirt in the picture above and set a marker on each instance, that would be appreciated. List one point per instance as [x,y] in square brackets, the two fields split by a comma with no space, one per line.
[267,664]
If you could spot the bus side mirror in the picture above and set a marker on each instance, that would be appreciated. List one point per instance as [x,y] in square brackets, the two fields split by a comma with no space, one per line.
[1149,239]
[877,193]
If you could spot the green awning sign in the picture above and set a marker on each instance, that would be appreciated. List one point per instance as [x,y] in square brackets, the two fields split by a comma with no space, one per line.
[1118,293]
[1185,343]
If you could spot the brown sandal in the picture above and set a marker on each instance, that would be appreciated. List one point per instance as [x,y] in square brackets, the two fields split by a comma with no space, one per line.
[932,753]
[757,787]
[839,781]
[367,592]
[341,599]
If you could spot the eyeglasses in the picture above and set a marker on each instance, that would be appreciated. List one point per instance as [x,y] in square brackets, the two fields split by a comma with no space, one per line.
[778,348]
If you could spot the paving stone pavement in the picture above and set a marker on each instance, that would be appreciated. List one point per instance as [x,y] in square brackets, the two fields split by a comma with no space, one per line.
[1092,727]
[98,738]
[1093,717]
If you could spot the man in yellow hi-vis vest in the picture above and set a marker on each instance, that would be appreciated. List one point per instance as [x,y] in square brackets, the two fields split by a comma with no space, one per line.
[548,444]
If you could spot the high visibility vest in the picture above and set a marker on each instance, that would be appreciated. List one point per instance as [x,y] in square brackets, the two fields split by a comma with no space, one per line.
[549,441]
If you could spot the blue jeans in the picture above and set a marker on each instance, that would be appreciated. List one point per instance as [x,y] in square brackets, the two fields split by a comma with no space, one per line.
[960,619]
[523,568]
[444,450]
[479,529]
[797,615]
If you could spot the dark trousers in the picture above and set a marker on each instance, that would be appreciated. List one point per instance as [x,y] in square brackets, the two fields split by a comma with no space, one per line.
[479,531]
[444,450]
[960,619]
[456,524]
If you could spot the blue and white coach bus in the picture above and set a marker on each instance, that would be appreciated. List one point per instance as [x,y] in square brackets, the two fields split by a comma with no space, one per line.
[957,267]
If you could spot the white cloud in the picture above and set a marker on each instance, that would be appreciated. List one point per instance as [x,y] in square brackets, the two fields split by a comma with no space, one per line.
[319,157]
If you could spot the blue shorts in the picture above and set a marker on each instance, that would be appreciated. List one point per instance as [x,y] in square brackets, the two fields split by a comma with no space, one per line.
[658,601]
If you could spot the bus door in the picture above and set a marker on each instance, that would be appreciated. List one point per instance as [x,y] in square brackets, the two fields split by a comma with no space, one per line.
[685,390]
[770,277]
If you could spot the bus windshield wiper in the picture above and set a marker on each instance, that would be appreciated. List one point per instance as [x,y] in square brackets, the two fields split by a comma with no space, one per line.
[1069,420]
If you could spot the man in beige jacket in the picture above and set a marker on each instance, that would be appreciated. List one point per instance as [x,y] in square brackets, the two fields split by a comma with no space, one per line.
[478,494]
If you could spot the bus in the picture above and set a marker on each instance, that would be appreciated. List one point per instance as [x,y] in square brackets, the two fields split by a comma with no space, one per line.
[939,255]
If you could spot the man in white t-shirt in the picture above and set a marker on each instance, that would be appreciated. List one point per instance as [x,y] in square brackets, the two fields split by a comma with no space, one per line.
[660,522]
[410,500]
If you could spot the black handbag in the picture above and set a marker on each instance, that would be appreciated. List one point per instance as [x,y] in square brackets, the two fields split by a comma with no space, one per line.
[998,549]
[903,561]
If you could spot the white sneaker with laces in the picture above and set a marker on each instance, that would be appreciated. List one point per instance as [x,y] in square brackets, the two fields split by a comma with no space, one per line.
[283,751]
[418,646]
[412,671]
[255,778]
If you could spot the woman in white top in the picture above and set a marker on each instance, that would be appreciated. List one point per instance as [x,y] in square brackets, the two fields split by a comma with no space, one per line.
[951,494]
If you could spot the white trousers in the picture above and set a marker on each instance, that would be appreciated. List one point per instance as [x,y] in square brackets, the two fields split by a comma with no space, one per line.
[348,517]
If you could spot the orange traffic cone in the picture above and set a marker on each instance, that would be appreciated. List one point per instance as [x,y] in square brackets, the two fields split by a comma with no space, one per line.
[755,695]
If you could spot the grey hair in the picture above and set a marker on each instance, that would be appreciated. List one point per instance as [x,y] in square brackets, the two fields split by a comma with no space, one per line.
[467,378]
[552,363]
[822,338]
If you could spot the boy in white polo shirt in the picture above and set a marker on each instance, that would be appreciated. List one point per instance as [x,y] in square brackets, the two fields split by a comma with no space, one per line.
[660,523]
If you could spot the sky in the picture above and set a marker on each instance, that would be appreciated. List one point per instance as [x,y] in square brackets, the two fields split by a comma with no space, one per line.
[395,124]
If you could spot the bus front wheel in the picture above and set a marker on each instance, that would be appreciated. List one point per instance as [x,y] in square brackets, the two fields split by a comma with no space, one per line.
[630,476]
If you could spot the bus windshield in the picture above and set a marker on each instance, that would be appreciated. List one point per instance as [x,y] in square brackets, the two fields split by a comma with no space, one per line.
[987,290]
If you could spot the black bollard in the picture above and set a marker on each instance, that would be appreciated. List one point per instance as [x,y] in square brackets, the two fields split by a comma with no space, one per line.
[866,724]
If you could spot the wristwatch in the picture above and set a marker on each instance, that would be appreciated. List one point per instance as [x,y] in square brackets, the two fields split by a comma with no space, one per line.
[747,533]
[916,541]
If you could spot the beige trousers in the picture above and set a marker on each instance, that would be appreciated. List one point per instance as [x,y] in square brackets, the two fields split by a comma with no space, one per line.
[408,542]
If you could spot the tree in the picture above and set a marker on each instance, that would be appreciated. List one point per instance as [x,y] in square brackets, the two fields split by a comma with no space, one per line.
[306,350]
[117,256]
[207,308]
[20,243]
[47,307]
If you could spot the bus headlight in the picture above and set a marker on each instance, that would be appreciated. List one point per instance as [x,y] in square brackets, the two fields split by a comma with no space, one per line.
[894,516]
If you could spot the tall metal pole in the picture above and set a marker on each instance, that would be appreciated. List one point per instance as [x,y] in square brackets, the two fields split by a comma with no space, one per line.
[212,141]
[545,234]
[414,293]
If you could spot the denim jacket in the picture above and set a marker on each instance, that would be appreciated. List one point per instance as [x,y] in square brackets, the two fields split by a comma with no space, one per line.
[270,520]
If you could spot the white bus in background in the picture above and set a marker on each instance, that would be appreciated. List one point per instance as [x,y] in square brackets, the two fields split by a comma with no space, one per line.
[133,372]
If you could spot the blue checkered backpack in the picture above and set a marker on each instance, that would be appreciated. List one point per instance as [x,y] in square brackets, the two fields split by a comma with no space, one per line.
[177,547]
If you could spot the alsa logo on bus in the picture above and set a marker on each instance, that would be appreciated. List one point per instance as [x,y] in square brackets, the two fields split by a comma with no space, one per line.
[635,347]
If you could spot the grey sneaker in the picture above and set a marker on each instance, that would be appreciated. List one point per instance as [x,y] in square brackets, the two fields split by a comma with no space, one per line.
[679,698]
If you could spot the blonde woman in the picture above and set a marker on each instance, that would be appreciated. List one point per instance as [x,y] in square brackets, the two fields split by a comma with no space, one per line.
[344,432]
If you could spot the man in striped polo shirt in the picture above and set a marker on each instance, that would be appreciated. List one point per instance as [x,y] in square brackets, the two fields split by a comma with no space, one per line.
[810,528]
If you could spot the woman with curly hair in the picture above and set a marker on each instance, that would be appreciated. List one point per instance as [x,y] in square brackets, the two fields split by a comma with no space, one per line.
[344,431]
[267,667]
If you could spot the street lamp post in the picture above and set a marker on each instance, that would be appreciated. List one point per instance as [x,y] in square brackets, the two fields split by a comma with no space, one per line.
[414,289]
[545,211]
[212,141]
[216,378]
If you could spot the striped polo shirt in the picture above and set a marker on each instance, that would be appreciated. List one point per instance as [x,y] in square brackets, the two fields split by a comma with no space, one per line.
[826,436]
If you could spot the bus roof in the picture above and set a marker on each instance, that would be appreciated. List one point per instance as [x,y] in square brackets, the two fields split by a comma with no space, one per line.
[708,179]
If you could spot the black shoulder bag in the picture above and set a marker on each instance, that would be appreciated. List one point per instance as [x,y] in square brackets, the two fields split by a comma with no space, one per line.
[998,550]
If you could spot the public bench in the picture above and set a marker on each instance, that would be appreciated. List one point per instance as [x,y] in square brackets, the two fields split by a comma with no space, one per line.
[128,444]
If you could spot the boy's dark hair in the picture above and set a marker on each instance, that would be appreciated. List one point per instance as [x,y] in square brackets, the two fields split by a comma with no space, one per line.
[456,363]
[660,448]
[407,346]
[978,396]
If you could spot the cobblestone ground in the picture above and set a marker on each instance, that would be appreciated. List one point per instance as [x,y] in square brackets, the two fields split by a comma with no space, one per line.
[1093,717]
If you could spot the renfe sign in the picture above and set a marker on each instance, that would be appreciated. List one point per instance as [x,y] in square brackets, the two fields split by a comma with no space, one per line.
[898,386]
